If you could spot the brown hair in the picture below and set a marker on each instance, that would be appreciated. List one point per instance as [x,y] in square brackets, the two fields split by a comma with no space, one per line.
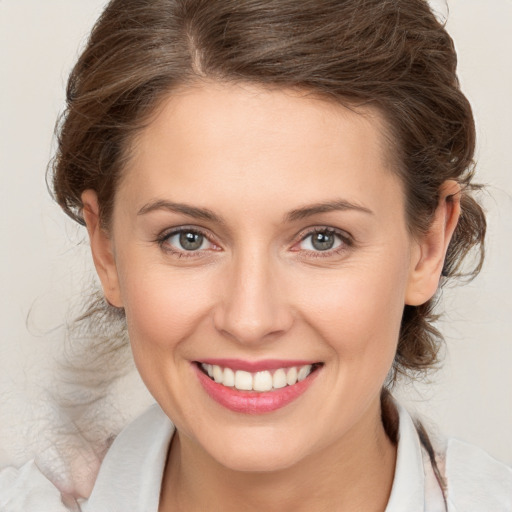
[393,54]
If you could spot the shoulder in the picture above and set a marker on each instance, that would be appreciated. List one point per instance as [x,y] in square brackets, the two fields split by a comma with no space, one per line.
[131,473]
[129,476]
[27,490]
[476,481]
[473,480]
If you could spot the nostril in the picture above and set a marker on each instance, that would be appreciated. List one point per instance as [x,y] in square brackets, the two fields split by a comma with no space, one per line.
[252,322]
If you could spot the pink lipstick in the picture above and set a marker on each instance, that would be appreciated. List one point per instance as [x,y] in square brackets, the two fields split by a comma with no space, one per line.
[255,387]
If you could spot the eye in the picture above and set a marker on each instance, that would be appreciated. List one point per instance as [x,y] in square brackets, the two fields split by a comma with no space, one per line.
[188,240]
[322,240]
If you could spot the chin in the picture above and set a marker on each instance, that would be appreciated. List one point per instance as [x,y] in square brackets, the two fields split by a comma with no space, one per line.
[258,463]
[258,453]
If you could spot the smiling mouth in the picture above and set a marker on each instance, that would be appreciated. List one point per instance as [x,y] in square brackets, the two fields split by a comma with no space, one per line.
[259,382]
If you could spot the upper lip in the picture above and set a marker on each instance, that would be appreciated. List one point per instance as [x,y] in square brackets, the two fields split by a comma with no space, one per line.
[256,366]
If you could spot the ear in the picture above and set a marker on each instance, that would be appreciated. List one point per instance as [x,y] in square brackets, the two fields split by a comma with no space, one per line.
[101,248]
[430,250]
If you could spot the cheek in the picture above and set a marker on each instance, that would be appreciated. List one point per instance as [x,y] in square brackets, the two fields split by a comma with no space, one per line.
[357,310]
[163,306]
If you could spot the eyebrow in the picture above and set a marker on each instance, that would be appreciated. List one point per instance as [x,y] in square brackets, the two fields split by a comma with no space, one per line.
[330,206]
[293,215]
[185,209]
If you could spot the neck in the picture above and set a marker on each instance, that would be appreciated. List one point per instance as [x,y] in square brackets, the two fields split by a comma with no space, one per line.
[355,474]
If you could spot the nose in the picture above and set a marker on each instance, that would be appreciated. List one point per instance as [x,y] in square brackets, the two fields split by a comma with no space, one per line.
[253,307]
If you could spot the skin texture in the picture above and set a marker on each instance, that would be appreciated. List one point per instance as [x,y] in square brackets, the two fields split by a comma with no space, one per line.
[257,289]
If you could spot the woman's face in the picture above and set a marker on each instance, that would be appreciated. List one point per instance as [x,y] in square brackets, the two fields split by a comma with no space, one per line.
[262,233]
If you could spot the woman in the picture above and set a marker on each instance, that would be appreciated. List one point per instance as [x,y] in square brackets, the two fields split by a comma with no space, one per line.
[273,191]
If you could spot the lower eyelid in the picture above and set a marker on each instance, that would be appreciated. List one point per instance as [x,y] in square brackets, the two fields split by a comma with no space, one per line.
[345,243]
[163,242]
[345,240]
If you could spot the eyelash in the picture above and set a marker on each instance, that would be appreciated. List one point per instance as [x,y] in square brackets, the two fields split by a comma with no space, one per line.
[346,241]
[163,239]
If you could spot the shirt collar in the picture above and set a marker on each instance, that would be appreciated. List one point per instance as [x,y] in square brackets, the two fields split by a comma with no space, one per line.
[408,491]
[131,473]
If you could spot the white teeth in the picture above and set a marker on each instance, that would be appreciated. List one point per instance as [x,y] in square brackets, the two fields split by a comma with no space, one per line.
[259,381]
[243,380]
[229,377]
[304,372]
[291,376]
[262,381]
[218,374]
[279,379]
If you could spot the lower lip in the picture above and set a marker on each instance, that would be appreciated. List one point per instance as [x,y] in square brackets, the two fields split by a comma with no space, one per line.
[253,402]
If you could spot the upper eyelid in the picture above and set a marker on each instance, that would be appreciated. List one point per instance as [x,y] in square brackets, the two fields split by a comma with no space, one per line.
[166,233]
[344,235]
[163,237]
[299,237]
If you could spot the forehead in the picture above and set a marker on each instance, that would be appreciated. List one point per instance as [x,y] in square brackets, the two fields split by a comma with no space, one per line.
[213,140]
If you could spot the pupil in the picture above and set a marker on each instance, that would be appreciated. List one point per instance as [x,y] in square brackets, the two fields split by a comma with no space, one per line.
[323,241]
[191,241]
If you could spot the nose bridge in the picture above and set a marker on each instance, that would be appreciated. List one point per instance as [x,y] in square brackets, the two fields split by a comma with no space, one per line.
[253,305]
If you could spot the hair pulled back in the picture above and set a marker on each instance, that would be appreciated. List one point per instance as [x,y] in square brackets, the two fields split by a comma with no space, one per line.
[392,54]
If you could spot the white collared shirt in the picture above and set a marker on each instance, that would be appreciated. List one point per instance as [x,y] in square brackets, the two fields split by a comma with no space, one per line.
[130,476]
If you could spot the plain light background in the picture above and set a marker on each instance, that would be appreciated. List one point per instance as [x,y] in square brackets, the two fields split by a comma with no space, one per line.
[45,264]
